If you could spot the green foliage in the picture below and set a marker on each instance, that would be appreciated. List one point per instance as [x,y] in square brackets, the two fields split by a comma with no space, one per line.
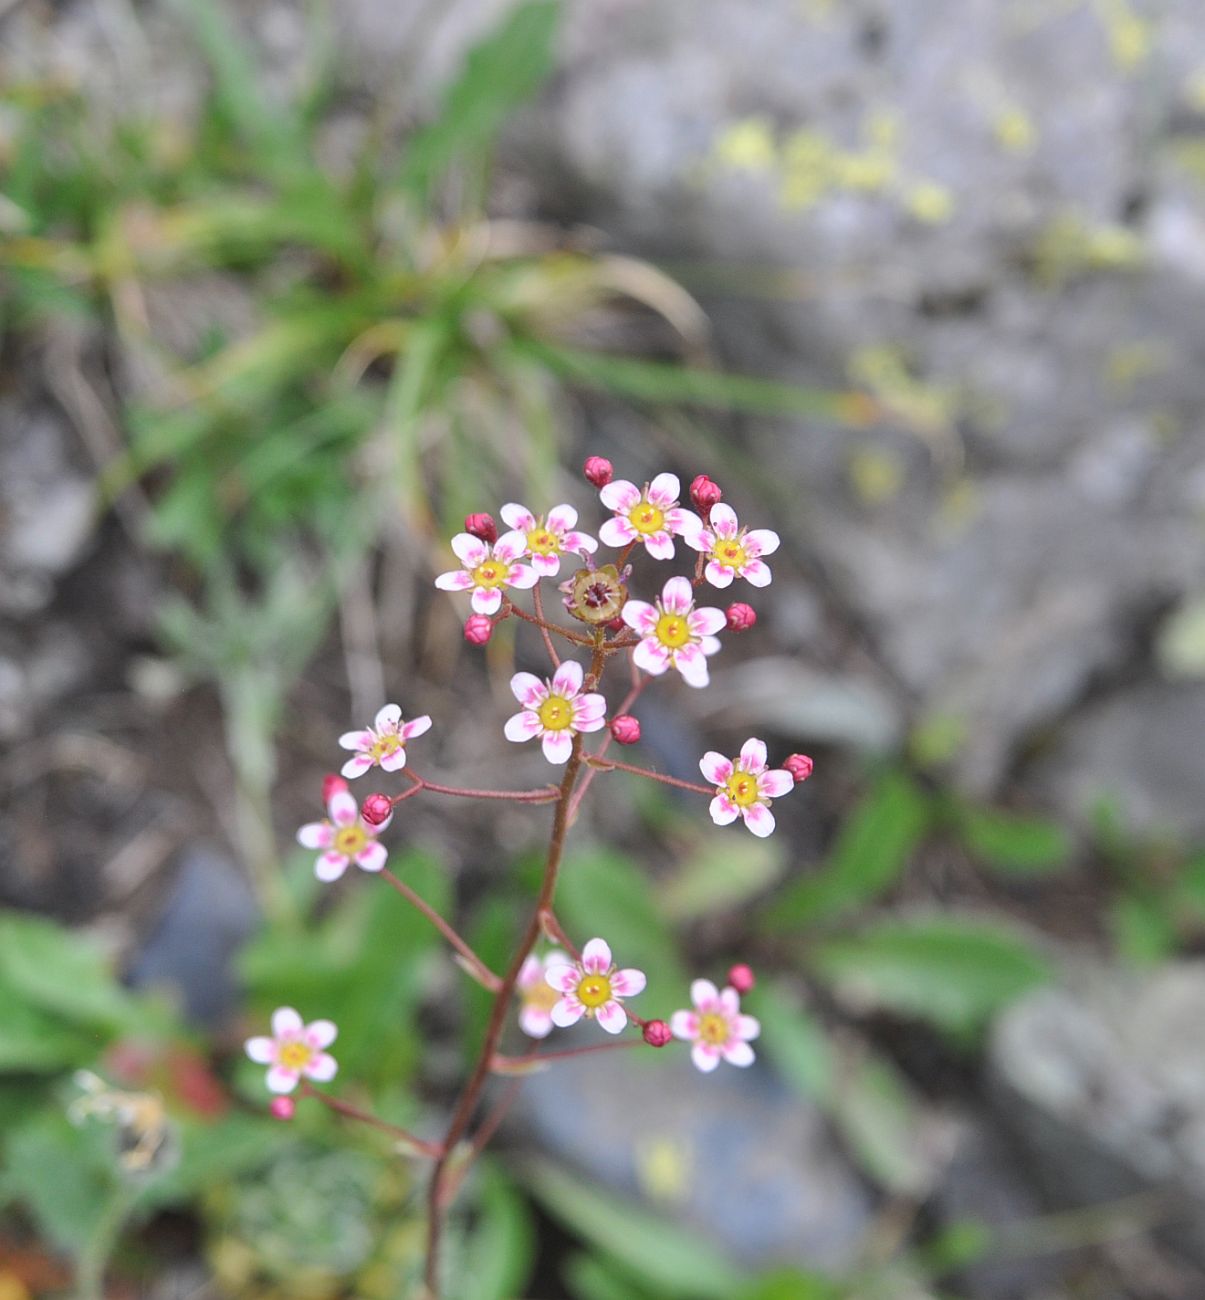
[1011,843]
[872,850]
[955,972]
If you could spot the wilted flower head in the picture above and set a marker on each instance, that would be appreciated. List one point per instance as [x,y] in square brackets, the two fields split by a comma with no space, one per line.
[595,596]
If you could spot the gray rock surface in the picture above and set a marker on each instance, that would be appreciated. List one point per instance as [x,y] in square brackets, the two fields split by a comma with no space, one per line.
[1102,1081]
[660,1130]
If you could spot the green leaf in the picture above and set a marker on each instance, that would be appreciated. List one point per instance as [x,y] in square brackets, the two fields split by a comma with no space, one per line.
[499,75]
[61,973]
[1142,930]
[793,1040]
[955,972]
[605,893]
[1012,842]
[871,852]
[65,1176]
[590,1278]
[676,1262]
[498,1258]
[678,385]
[788,1284]
[864,1096]
[719,875]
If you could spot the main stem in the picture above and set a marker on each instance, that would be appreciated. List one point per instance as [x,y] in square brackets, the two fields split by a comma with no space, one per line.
[462,1115]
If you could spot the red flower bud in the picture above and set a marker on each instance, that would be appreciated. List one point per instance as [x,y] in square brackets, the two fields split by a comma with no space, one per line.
[283,1107]
[741,978]
[657,1033]
[741,617]
[799,766]
[483,526]
[626,729]
[478,628]
[704,493]
[332,784]
[598,470]
[376,809]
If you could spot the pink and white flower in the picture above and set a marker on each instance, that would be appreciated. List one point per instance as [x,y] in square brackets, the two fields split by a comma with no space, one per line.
[716,1027]
[744,787]
[548,537]
[488,569]
[295,1051]
[650,515]
[555,710]
[591,987]
[344,837]
[673,632]
[536,994]
[733,551]
[383,744]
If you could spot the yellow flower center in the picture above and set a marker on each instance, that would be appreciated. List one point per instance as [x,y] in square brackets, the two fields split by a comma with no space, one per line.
[556,713]
[646,518]
[593,991]
[713,1028]
[541,995]
[294,1055]
[542,542]
[673,630]
[730,553]
[389,743]
[742,789]
[490,573]
[349,840]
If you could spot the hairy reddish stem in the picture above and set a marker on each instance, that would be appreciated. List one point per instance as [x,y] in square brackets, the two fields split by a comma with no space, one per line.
[538,601]
[545,794]
[477,968]
[576,637]
[348,1111]
[442,1188]
[614,765]
[638,684]
[506,1064]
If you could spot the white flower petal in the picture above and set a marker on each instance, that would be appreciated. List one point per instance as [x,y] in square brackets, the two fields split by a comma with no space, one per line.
[756,573]
[691,662]
[723,520]
[470,551]
[561,519]
[321,1033]
[753,755]
[316,835]
[652,656]
[612,1017]
[321,1068]
[738,1053]
[387,717]
[330,866]
[281,1080]
[664,490]
[522,726]
[372,857]
[774,784]
[715,767]
[557,745]
[261,1050]
[759,819]
[723,811]
[596,957]
[486,601]
[567,680]
[616,532]
[628,982]
[705,1057]
[677,596]
[565,1013]
[518,517]
[684,1024]
[761,541]
[286,1023]
[660,545]
[535,1021]
[619,495]
[705,995]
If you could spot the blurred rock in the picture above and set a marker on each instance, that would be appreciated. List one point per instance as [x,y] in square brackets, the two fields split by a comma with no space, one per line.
[1140,749]
[1104,1083]
[47,506]
[695,1147]
[208,914]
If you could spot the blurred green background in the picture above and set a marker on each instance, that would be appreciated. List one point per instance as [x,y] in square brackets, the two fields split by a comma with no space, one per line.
[287,289]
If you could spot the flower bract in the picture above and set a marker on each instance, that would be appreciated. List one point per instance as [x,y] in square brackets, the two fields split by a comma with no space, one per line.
[592,988]
[555,710]
[486,570]
[744,787]
[674,633]
[716,1028]
[295,1051]
[383,744]
[344,837]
